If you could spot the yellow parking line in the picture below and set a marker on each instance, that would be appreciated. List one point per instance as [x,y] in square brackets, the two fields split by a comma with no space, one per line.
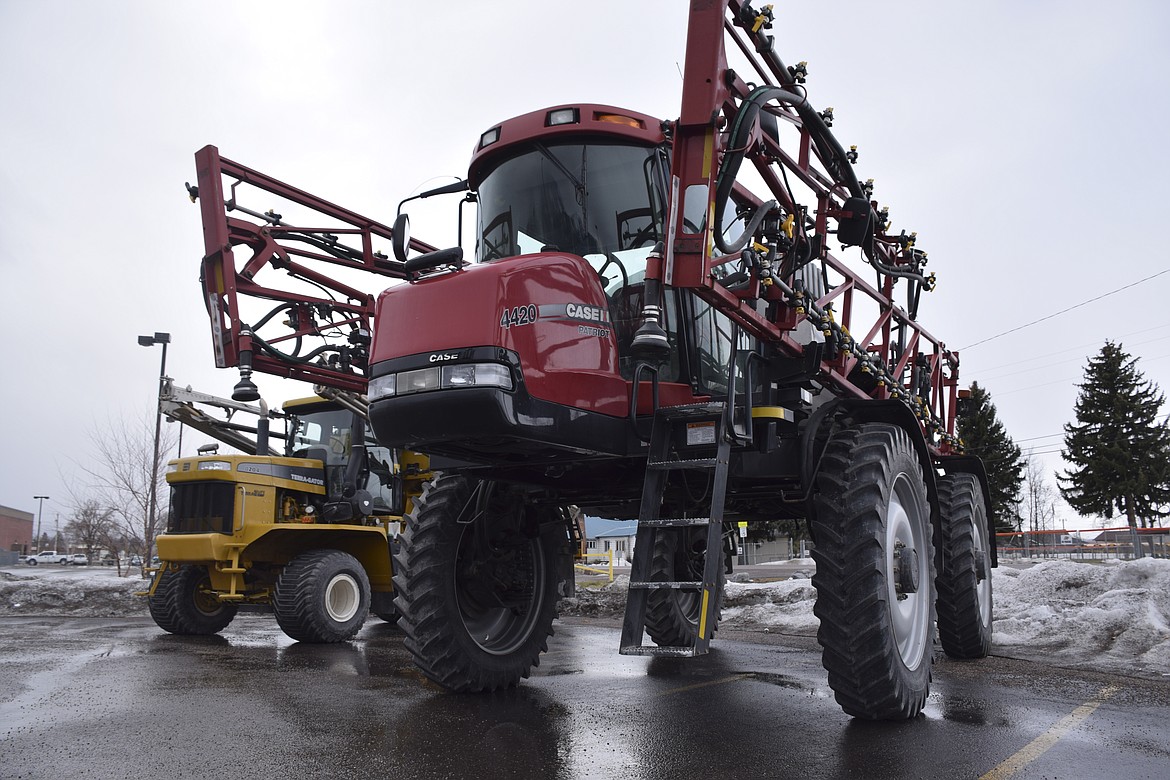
[1037,747]
[721,681]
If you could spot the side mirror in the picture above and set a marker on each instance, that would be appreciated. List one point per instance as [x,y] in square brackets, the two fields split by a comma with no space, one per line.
[400,241]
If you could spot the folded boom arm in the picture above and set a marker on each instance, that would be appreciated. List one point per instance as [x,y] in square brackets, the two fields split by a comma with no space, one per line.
[293,304]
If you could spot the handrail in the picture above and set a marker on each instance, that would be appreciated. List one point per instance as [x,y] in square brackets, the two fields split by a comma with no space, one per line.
[653,371]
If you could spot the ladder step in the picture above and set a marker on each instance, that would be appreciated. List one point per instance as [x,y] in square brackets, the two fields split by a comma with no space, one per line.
[661,585]
[671,465]
[232,570]
[678,652]
[668,522]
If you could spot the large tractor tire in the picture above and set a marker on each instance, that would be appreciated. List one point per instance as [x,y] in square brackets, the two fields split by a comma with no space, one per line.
[476,579]
[183,603]
[875,572]
[672,615]
[382,604]
[389,615]
[964,584]
[322,596]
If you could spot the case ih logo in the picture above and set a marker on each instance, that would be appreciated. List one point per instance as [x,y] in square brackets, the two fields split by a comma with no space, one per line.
[579,311]
[439,357]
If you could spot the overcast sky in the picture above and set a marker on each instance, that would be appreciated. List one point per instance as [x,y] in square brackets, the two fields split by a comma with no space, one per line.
[1024,141]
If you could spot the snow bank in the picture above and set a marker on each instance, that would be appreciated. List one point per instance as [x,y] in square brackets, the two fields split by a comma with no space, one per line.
[93,594]
[785,606]
[1112,616]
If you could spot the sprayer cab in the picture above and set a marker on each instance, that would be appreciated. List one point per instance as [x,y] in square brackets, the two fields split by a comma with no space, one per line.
[527,354]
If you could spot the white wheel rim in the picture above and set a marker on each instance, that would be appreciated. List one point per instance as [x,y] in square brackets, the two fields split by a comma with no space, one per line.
[909,612]
[342,598]
[983,586]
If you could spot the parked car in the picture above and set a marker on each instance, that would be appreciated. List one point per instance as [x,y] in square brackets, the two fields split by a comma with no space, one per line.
[79,559]
[136,560]
[47,556]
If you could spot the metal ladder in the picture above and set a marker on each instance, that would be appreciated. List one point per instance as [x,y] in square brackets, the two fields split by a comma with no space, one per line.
[671,425]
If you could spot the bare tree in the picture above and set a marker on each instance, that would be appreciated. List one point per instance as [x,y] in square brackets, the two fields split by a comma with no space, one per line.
[91,525]
[122,472]
[1038,499]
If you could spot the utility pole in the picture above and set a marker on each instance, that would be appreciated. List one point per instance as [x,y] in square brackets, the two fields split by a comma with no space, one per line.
[150,341]
[40,506]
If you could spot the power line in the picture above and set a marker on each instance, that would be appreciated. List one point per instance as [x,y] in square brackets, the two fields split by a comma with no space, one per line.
[1065,311]
[1034,438]
[1072,380]
[1041,366]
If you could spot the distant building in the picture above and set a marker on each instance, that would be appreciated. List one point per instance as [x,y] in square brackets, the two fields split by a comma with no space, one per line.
[1154,541]
[16,530]
[778,549]
[617,536]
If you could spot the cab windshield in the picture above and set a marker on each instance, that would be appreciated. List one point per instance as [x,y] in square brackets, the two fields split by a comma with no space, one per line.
[332,431]
[598,201]
[328,429]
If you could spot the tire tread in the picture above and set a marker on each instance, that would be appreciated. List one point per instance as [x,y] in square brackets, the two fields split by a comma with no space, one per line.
[961,629]
[865,671]
[297,597]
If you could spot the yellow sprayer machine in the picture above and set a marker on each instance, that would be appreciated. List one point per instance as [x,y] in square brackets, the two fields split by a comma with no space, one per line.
[307,532]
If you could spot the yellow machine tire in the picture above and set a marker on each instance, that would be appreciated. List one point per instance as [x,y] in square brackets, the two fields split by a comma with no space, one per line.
[184,604]
[322,596]
[389,615]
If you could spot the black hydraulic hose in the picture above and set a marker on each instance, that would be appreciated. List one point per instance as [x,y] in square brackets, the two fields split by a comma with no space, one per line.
[264,320]
[831,151]
[335,248]
[271,350]
[741,130]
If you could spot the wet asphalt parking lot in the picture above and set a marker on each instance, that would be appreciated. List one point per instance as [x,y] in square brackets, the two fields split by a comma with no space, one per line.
[118,698]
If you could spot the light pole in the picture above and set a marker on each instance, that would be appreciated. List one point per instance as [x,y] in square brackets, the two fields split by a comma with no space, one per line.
[40,505]
[150,341]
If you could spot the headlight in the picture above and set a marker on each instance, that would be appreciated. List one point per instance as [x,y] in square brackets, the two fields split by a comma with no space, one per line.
[477,375]
[383,386]
[418,381]
[215,465]
[444,377]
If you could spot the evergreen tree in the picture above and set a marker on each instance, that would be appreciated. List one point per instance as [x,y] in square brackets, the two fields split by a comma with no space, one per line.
[984,435]
[1119,450]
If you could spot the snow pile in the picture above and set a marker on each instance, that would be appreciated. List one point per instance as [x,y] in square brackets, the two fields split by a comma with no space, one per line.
[607,601]
[785,606]
[97,594]
[1112,616]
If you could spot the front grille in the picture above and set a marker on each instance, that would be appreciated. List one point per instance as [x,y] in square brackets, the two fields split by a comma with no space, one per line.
[202,507]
